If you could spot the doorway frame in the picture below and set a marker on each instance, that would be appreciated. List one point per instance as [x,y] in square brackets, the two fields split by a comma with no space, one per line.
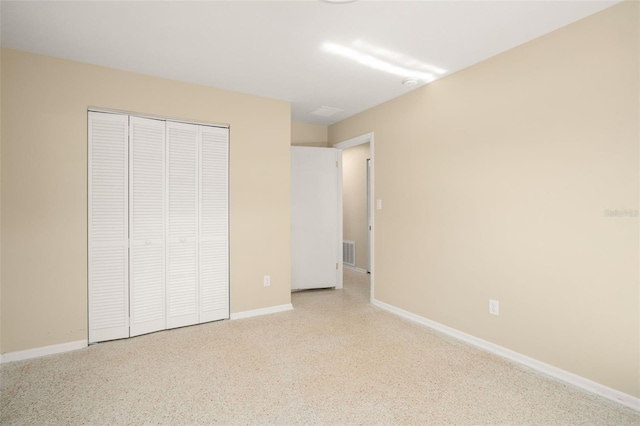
[350,143]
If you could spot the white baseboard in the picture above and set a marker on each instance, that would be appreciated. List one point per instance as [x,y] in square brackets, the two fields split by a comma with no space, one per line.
[354,268]
[557,373]
[262,311]
[43,351]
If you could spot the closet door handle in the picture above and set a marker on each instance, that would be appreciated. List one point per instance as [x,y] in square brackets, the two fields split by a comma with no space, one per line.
[147,242]
[182,240]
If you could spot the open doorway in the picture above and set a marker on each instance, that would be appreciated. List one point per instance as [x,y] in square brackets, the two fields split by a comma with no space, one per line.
[357,206]
[355,214]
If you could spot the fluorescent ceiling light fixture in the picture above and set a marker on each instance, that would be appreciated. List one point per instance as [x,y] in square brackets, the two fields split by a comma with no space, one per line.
[377,63]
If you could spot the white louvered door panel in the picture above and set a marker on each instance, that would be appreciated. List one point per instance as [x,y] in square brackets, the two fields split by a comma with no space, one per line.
[214,224]
[147,225]
[182,224]
[108,227]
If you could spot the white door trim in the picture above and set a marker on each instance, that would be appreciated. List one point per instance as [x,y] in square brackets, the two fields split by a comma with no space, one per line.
[369,215]
[339,269]
[350,143]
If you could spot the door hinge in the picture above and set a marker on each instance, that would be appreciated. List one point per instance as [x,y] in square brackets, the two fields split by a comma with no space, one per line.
[336,164]
[336,266]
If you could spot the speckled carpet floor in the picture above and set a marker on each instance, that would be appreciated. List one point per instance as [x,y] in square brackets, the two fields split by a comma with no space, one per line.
[334,359]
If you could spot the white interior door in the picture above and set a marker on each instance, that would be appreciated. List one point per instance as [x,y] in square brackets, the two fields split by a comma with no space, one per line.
[147,225]
[314,217]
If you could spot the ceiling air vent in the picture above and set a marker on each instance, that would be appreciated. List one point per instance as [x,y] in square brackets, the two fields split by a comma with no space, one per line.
[325,111]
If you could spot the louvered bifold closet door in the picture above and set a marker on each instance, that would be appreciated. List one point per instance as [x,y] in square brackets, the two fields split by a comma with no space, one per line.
[182,224]
[147,225]
[214,223]
[108,227]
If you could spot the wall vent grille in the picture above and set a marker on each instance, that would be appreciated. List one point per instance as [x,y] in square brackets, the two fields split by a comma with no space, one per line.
[349,253]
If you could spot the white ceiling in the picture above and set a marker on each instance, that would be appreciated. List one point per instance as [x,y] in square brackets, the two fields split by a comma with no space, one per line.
[275,48]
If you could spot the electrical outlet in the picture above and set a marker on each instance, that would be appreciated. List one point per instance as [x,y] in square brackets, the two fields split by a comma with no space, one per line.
[267,280]
[494,307]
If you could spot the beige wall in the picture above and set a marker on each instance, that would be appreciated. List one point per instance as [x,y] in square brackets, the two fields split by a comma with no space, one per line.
[495,183]
[44,188]
[354,200]
[305,134]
